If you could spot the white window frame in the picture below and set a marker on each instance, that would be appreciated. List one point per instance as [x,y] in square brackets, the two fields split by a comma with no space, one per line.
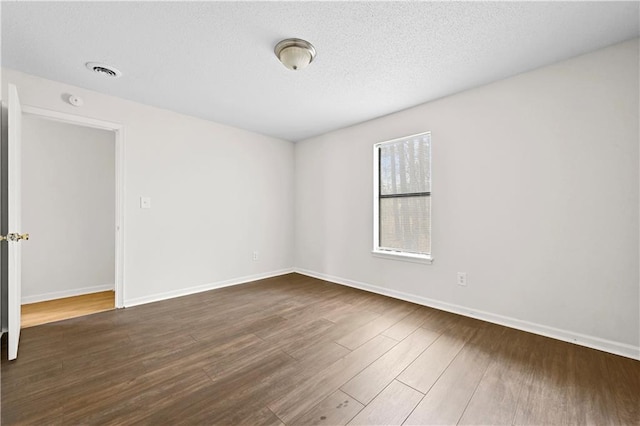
[385,252]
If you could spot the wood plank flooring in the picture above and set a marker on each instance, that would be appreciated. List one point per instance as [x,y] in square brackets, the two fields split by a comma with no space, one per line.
[299,351]
[69,307]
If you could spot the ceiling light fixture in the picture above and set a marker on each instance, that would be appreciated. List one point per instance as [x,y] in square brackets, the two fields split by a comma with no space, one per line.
[295,53]
[103,69]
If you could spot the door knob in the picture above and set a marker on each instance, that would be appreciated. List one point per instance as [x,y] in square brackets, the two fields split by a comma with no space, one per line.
[16,237]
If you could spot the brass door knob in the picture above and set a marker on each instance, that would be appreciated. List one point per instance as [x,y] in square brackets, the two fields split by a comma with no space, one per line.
[17,237]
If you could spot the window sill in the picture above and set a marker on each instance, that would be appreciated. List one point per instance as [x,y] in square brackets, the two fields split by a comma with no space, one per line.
[407,257]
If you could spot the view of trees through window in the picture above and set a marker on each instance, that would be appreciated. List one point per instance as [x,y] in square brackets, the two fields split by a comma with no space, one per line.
[405,195]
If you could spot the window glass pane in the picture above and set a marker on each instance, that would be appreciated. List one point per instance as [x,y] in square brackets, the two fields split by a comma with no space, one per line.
[405,166]
[405,224]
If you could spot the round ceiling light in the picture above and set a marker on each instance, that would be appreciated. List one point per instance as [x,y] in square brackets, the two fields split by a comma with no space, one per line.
[103,69]
[295,53]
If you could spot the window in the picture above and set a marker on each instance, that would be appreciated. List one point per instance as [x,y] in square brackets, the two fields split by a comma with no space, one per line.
[402,198]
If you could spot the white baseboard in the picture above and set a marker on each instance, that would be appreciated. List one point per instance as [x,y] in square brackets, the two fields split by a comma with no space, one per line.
[610,346]
[65,293]
[204,287]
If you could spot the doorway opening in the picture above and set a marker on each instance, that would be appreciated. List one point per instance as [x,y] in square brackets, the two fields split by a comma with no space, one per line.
[71,202]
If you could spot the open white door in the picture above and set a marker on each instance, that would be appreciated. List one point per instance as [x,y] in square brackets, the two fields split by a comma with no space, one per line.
[14,212]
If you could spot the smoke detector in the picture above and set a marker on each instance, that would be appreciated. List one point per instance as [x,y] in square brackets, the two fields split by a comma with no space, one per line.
[76,101]
[103,69]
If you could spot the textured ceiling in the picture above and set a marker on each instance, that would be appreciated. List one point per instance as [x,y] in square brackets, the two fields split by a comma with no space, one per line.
[215,59]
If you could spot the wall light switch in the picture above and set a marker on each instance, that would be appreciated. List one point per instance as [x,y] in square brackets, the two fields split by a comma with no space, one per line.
[145,202]
[462,278]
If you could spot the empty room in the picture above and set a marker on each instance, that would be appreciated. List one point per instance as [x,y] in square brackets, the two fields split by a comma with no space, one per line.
[320,213]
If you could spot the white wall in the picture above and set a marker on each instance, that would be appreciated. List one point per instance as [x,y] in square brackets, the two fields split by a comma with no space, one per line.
[68,202]
[218,193]
[535,196]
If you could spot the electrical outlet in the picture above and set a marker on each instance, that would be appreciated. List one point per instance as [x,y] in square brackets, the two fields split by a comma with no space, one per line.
[255,255]
[462,279]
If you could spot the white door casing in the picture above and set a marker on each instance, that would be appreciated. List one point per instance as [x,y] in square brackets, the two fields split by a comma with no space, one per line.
[118,130]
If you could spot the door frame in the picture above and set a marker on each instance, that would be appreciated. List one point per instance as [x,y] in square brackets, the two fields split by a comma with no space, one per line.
[118,130]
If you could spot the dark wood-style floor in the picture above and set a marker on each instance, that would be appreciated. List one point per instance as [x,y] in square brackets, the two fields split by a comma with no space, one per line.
[296,350]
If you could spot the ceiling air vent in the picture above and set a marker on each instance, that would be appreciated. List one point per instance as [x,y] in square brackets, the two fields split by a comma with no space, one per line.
[103,69]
